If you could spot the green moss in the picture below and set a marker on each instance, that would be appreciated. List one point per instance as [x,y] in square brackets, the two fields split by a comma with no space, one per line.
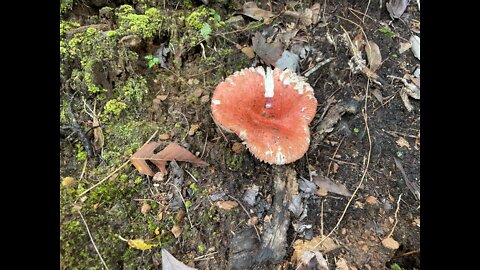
[144,25]
[65,6]
[114,107]
[81,154]
[134,89]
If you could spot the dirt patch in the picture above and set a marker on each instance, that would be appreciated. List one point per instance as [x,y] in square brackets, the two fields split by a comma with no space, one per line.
[196,46]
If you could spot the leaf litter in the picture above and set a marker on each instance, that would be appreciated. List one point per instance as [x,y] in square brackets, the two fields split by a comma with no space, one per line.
[173,151]
[251,10]
[171,263]
[327,184]
[396,8]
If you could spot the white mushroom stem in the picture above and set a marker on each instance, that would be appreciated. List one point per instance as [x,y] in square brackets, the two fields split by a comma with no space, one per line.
[269,83]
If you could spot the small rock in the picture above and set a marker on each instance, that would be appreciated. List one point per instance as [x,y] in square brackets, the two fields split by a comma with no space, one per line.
[131,41]
[390,243]
[248,51]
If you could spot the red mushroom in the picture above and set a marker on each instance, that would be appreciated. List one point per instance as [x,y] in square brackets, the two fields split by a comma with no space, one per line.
[269,110]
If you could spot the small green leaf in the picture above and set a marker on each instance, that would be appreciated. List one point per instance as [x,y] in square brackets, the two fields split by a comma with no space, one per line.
[205,31]
[387,32]
[356,130]
[188,204]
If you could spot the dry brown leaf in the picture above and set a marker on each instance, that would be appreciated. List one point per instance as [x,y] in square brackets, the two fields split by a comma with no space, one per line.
[300,246]
[377,94]
[158,177]
[335,168]
[170,263]
[406,101]
[315,13]
[390,243]
[322,192]
[164,136]
[193,129]
[359,42]
[404,46]
[371,200]
[251,10]
[176,230]
[248,51]
[326,183]
[145,208]
[312,260]
[162,97]
[226,205]
[373,55]
[197,93]
[238,147]
[396,8]
[172,152]
[98,139]
[341,264]
[402,142]
[268,52]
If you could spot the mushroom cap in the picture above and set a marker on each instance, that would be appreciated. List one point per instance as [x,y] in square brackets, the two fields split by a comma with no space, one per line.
[269,110]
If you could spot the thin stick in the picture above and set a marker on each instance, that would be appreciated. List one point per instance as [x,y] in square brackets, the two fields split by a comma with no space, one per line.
[366,10]
[246,212]
[396,217]
[204,146]
[114,172]
[365,118]
[186,208]
[206,255]
[195,179]
[342,162]
[93,242]
[220,128]
[83,170]
[336,150]
[321,219]
[354,10]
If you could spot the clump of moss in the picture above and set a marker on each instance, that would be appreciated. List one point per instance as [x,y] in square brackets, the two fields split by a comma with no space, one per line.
[134,89]
[145,25]
[114,107]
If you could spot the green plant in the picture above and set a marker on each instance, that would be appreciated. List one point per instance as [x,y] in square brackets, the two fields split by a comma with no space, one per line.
[387,32]
[152,61]
[114,107]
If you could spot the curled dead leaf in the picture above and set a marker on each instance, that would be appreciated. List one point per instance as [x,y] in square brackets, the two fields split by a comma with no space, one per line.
[173,151]
[373,55]
[176,230]
[251,10]
[171,263]
[268,52]
[140,244]
[226,205]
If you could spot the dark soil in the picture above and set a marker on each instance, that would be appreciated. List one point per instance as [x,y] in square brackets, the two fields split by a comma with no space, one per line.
[114,207]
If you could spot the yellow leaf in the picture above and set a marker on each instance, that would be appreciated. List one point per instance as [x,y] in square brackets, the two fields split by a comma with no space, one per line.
[157,231]
[140,244]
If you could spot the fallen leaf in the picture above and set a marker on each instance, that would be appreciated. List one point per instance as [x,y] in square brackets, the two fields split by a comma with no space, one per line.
[193,129]
[158,177]
[164,136]
[68,182]
[98,139]
[322,192]
[170,263]
[226,205]
[402,142]
[396,8]
[252,221]
[377,94]
[404,46]
[238,147]
[251,10]
[176,230]
[197,93]
[313,260]
[300,246]
[157,231]
[268,52]
[315,13]
[140,244]
[415,40]
[145,208]
[248,51]
[371,200]
[390,243]
[335,168]
[341,264]
[172,152]
[359,42]
[304,18]
[373,55]
[326,183]
[162,97]
[204,99]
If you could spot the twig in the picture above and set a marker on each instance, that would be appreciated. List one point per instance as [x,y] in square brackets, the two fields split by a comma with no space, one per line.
[315,68]
[342,162]
[321,219]
[412,186]
[219,127]
[114,172]
[365,118]
[336,150]
[407,253]
[246,212]
[365,14]
[204,256]
[396,217]
[366,10]
[186,208]
[204,146]
[91,239]
[83,170]
[195,179]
